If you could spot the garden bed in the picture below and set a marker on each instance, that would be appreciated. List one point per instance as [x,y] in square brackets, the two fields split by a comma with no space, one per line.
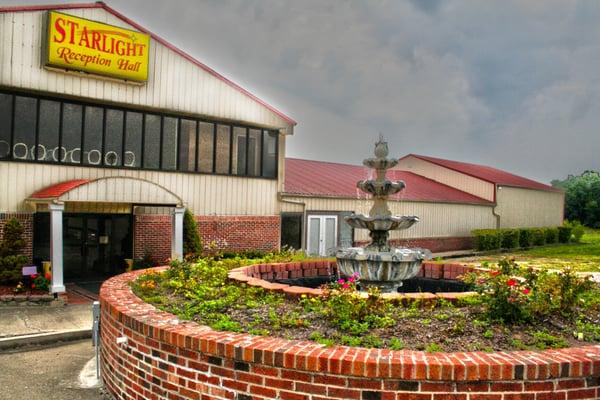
[526,317]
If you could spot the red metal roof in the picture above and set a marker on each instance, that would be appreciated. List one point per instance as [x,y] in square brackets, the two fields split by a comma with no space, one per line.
[100,4]
[57,190]
[486,173]
[319,178]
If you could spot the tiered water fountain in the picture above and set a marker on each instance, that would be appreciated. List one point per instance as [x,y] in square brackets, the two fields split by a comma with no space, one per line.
[379,264]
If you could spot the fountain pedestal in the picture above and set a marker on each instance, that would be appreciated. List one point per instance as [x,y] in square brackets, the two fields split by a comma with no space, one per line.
[379,264]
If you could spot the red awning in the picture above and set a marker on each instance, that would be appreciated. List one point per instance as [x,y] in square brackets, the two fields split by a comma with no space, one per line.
[58,189]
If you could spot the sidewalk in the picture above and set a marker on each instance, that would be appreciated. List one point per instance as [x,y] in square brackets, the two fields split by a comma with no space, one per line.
[29,325]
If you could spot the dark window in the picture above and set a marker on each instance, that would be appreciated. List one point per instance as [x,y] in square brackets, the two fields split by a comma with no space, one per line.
[70,151]
[222,158]
[206,147]
[187,145]
[92,134]
[48,130]
[269,158]
[254,140]
[5,124]
[24,139]
[169,144]
[291,230]
[133,139]
[238,160]
[152,142]
[113,142]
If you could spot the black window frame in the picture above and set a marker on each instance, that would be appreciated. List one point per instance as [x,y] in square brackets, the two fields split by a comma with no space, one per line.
[125,110]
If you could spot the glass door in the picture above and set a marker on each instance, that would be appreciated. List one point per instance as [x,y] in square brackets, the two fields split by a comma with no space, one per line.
[322,235]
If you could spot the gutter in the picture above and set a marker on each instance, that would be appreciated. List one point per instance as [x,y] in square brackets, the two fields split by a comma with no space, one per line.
[496,188]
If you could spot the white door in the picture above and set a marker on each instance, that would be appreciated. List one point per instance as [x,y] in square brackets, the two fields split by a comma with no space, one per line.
[321,235]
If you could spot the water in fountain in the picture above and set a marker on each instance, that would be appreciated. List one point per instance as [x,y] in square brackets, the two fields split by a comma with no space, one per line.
[378,263]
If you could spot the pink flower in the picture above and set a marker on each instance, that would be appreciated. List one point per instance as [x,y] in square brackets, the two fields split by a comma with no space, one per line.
[345,286]
[355,275]
[341,281]
[526,291]
[351,279]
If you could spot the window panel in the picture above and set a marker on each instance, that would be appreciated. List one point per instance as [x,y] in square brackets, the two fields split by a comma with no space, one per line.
[5,124]
[92,138]
[70,151]
[113,142]
[269,158]
[169,144]
[49,129]
[206,147]
[254,140]
[187,145]
[238,163]
[152,142]
[24,139]
[133,139]
[223,145]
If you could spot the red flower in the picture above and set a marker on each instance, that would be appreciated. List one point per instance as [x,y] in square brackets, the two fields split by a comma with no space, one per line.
[33,276]
[48,275]
[33,285]
[511,282]
[495,273]
[526,291]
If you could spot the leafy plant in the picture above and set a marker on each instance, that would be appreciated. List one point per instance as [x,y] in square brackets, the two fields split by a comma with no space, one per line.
[12,258]
[510,238]
[564,234]
[551,235]
[192,244]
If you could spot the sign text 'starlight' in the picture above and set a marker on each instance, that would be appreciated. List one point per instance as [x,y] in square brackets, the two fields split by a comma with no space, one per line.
[83,45]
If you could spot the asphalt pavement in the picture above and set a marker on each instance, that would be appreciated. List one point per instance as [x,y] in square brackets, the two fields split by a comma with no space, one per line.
[48,373]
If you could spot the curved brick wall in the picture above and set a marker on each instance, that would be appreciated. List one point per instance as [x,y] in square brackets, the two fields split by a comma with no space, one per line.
[168,359]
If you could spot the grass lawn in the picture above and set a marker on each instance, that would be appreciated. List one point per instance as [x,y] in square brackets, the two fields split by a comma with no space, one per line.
[584,256]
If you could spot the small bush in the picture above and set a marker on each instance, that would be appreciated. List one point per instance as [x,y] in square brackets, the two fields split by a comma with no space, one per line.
[564,234]
[510,238]
[538,237]
[487,239]
[577,230]
[11,257]
[525,237]
[192,244]
[551,235]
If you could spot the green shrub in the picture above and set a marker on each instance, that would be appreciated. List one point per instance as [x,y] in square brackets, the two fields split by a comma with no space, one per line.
[192,244]
[11,257]
[510,238]
[564,234]
[525,237]
[538,237]
[487,239]
[551,235]
[577,230]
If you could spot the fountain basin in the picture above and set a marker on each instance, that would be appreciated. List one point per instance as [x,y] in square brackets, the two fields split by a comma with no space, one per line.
[383,269]
[381,222]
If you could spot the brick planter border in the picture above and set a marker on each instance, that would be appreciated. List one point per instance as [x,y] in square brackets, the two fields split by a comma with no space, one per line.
[165,358]
[263,275]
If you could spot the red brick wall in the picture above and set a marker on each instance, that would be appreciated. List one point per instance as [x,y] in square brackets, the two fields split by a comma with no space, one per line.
[167,358]
[152,233]
[238,233]
[436,245]
[26,221]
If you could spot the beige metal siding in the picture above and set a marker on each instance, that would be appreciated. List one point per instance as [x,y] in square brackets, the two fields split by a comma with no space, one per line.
[436,219]
[519,207]
[204,194]
[466,183]
[174,83]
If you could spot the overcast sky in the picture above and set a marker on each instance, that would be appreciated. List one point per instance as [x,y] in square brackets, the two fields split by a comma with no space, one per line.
[511,84]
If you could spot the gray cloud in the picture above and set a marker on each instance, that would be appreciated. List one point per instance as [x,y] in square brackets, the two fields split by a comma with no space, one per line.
[507,83]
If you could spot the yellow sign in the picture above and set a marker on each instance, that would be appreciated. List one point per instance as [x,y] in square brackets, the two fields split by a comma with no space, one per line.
[83,45]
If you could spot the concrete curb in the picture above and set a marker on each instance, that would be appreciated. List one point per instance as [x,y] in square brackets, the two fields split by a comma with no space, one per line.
[44,338]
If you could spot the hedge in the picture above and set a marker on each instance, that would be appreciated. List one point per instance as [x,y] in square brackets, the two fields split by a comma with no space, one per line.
[551,235]
[564,234]
[538,238]
[525,237]
[495,239]
[510,238]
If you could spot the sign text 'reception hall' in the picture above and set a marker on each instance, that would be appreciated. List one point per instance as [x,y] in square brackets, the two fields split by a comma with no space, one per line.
[90,46]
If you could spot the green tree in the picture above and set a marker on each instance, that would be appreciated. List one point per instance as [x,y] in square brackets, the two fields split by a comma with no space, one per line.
[192,244]
[582,197]
[11,257]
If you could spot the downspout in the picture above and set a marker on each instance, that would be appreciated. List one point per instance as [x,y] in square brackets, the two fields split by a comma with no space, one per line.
[303,204]
[496,188]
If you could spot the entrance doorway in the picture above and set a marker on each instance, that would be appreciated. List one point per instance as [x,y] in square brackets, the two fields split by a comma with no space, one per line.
[95,246]
[322,235]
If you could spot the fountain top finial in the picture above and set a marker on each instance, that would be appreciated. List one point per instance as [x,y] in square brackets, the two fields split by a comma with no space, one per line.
[381,148]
